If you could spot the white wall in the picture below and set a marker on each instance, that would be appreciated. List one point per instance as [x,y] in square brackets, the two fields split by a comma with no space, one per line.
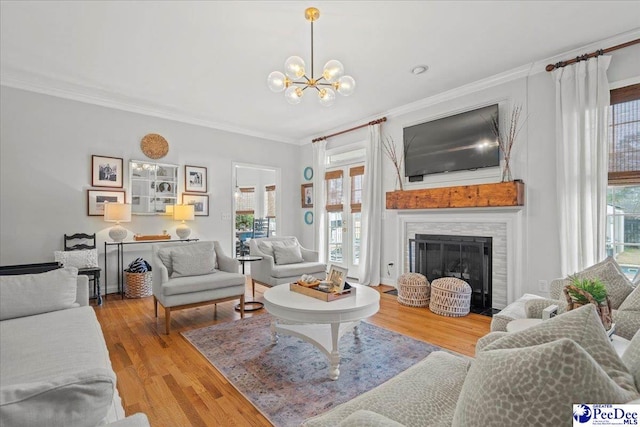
[533,161]
[46,145]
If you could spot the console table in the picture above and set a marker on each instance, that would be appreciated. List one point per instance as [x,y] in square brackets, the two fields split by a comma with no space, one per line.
[120,259]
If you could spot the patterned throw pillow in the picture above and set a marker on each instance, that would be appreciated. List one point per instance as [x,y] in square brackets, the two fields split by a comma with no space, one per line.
[632,302]
[533,376]
[617,284]
[86,258]
[534,385]
[631,358]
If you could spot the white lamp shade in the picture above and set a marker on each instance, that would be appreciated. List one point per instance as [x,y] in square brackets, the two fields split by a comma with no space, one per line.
[117,212]
[183,212]
[169,210]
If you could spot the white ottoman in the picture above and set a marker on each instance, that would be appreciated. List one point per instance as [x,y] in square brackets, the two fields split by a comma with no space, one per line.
[450,297]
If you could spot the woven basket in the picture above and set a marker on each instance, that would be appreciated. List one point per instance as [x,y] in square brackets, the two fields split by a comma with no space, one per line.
[450,297]
[138,285]
[603,309]
[413,290]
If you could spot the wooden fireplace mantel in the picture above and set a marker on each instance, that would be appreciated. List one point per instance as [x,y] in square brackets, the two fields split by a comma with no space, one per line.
[464,196]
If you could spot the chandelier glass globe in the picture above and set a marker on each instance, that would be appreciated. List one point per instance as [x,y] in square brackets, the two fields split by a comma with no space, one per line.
[293,95]
[276,81]
[327,97]
[294,67]
[333,70]
[346,85]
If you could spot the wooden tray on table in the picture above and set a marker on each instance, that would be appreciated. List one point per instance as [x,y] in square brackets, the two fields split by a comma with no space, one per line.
[324,296]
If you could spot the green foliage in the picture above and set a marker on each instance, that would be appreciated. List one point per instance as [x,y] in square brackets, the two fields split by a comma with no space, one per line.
[593,286]
[244,222]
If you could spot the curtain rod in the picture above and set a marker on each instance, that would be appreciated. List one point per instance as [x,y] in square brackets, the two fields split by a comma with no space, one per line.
[561,64]
[374,122]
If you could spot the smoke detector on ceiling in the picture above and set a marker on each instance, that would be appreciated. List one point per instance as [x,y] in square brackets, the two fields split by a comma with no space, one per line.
[419,69]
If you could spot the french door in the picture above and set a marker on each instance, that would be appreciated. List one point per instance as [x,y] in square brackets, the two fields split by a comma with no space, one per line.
[344,202]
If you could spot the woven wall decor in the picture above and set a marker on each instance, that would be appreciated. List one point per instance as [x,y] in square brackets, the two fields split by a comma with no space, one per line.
[154,146]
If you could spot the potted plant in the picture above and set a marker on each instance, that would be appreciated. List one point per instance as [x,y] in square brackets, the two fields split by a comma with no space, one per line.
[583,291]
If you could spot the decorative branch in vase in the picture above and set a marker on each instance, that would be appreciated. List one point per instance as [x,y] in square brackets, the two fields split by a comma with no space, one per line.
[389,149]
[506,141]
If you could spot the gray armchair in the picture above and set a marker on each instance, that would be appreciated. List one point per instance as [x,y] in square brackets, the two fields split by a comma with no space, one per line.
[282,262]
[193,274]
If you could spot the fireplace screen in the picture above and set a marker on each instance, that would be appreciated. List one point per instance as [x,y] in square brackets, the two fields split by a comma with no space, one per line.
[465,257]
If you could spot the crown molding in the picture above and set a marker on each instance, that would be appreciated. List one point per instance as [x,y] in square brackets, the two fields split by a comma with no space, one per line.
[533,68]
[49,85]
[55,86]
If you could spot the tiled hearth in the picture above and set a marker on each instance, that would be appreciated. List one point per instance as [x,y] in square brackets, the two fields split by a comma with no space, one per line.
[503,225]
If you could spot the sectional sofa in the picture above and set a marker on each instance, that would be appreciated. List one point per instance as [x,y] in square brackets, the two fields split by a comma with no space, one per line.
[54,363]
[531,377]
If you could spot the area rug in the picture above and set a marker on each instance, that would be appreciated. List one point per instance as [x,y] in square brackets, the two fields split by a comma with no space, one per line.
[289,381]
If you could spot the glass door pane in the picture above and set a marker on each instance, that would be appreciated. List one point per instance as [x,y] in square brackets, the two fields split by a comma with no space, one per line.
[335,237]
[356,226]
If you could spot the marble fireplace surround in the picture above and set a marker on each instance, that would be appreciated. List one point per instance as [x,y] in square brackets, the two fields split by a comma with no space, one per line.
[503,225]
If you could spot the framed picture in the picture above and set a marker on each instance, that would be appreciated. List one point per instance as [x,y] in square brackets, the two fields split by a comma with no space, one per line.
[106,171]
[195,179]
[337,276]
[306,194]
[97,198]
[200,203]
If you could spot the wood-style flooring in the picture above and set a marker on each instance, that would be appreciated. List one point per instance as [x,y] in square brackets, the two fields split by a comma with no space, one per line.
[166,378]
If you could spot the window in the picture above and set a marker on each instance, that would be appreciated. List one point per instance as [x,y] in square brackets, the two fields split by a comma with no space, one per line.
[246,203]
[270,201]
[333,181]
[623,194]
[357,174]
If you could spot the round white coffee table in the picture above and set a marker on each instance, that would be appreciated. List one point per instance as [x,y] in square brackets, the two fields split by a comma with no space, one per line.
[318,322]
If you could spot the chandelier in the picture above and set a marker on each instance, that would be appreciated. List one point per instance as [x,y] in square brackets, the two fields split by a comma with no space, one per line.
[294,81]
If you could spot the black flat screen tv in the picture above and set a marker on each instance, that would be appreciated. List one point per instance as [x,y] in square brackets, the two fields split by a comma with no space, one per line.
[465,141]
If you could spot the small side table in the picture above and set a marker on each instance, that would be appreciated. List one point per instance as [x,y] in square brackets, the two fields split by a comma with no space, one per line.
[248,258]
[252,305]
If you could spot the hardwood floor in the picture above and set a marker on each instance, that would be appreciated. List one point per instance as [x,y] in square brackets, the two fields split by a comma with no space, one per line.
[166,378]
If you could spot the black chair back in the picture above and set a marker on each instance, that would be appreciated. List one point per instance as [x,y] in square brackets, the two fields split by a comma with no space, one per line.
[85,241]
[260,228]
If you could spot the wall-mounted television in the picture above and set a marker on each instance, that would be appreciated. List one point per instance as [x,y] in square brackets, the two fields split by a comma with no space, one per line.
[465,141]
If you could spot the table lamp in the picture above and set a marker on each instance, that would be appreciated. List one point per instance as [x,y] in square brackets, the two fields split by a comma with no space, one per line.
[117,212]
[183,213]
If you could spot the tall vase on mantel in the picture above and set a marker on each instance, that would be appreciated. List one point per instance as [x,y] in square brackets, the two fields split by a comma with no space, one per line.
[507,139]
[389,149]
[506,169]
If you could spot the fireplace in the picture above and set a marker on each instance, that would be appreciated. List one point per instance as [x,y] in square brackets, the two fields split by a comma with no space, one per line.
[465,257]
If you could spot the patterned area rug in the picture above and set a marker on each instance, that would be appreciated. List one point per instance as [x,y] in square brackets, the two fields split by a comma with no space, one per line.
[289,382]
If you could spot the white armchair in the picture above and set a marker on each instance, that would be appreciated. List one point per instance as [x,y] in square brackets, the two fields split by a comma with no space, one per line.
[283,261]
[187,275]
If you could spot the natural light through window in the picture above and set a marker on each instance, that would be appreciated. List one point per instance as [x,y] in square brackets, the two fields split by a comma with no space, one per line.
[623,195]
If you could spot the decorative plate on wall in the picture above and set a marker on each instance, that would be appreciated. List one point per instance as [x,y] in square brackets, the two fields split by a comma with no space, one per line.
[154,146]
[308,217]
[308,173]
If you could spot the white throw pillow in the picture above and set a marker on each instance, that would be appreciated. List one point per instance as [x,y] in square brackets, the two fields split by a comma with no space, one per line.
[193,264]
[29,294]
[86,258]
[287,254]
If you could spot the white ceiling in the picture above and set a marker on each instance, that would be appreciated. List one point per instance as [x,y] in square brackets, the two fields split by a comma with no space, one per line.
[207,62]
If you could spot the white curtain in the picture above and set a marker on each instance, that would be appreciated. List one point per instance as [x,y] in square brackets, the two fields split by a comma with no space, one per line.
[319,202]
[582,97]
[370,241]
